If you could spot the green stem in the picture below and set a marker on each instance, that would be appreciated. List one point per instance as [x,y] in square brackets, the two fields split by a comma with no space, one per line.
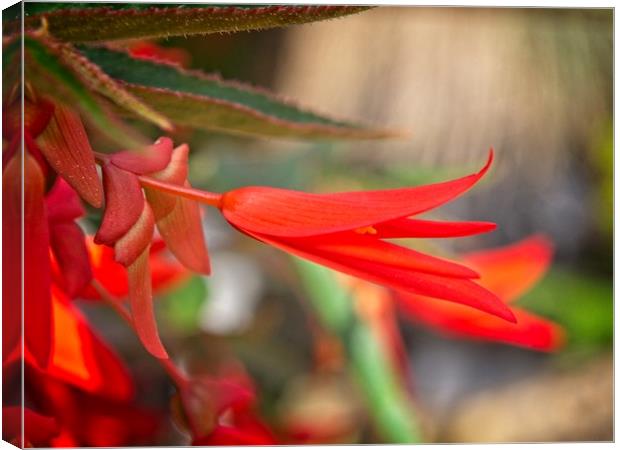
[388,400]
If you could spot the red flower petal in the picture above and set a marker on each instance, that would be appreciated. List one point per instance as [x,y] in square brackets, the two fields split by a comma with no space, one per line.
[113,276]
[178,219]
[67,242]
[37,274]
[141,301]
[418,228]
[150,159]
[350,246]
[530,331]
[137,239]
[123,206]
[174,173]
[286,213]
[65,145]
[451,289]
[38,429]
[81,358]
[62,203]
[12,258]
[512,270]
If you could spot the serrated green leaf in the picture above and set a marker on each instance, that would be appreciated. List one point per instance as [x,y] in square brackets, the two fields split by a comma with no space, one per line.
[49,75]
[198,100]
[89,22]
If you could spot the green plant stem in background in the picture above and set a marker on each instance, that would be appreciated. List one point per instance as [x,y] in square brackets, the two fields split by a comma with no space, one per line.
[387,399]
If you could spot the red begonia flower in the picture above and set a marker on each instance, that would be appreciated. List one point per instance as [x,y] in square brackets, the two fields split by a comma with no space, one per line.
[345,231]
[509,272]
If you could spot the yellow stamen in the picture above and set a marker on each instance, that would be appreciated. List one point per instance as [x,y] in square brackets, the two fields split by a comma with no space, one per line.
[366,230]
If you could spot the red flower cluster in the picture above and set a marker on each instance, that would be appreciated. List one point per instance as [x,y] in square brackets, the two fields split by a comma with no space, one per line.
[82,391]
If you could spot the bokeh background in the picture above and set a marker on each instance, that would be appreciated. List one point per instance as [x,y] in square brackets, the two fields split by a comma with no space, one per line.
[536,84]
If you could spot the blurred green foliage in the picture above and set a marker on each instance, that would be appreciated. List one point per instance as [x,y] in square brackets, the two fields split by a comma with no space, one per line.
[582,303]
[180,308]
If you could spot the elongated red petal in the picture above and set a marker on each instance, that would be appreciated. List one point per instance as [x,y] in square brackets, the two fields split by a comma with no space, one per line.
[512,270]
[65,145]
[418,228]
[128,248]
[286,213]
[530,331]
[178,219]
[62,203]
[37,273]
[141,301]
[123,206]
[451,289]
[345,246]
[67,241]
[182,231]
[150,159]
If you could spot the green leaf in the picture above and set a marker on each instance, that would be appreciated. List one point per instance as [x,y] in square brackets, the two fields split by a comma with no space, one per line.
[89,22]
[198,100]
[49,75]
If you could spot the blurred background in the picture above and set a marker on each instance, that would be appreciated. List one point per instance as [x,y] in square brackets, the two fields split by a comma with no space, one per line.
[536,84]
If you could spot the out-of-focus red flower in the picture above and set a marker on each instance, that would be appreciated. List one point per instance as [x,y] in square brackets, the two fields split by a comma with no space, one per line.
[346,232]
[81,358]
[509,272]
[87,420]
[165,272]
[38,430]
[221,410]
